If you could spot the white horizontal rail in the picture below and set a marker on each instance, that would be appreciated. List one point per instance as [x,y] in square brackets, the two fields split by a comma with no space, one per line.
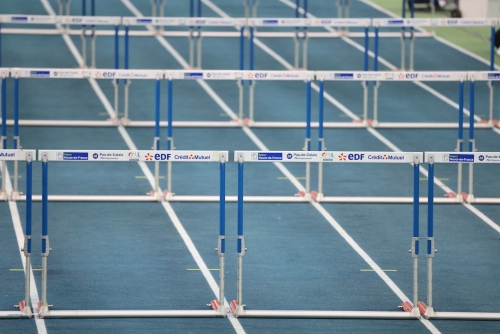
[128,155]
[467,157]
[327,156]
[16,155]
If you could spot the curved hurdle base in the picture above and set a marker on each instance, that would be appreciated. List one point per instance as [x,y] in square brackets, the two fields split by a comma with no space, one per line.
[23,313]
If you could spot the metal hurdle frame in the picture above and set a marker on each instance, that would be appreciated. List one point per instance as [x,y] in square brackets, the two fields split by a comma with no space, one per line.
[413,23]
[29,156]
[238,122]
[427,310]
[68,21]
[490,77]
[237,306]
[46,156]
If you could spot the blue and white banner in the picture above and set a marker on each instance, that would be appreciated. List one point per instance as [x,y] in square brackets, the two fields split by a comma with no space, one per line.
[184,21]
[92,20]
[463,157]
[240,75]
[390,76]
[484,76]
[131,155]
[327,156]
[29,19]
[442,22]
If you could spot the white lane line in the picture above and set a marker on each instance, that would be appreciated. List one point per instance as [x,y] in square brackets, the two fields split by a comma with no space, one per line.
[168,208]
[440,39]
[320,208]
[18,230]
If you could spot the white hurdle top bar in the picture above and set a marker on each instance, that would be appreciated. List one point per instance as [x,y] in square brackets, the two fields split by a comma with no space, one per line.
[68,73]
[128,155]
[16,155]
[327,156]
[464,157]
[303,22]
[390,76]
[443,22]
[183,21]
[240,75]
[48,19]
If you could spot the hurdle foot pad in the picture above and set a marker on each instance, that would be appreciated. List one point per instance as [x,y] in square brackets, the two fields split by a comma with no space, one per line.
[314,195]
[21,305]
[215,304]
[465,196]
[422,308]
[451,194]
[234,306]
[300,194]
[407,306]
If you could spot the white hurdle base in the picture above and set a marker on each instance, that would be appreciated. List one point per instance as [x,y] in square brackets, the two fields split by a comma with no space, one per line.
[327,314]
[464,316]
[15,315]
[132,314]
[249,199]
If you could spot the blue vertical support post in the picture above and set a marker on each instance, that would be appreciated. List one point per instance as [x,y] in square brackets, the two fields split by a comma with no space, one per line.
[4,112]
[115,81]
[0,44]
[416,225]
[93,35]
[472,142]
[460,140]
[251,84]
[412,37]
[403,39]
[241,82]
[321,138]
[376,84]
[25,305]
[430,232]
[44,307]
[170,139]
[84,34]
[492,68]
[366,68]
[221,245]
[17,140]
[237,305]
[199,40]
[156,141]
[126,82]
[307,146]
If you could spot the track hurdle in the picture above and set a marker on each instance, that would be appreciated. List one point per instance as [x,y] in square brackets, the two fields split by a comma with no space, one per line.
[419,23]
[473,77]
[427,310]
[302,35]
[29,156]
[378,77]
[46,156]
[242,157]
[85,32]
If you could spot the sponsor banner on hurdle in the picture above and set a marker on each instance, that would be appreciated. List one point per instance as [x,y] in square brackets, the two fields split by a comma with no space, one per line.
[29,19]
[16,155]
[69,73]
[240,75]
[326,156]
[93,20]
[484,76]
[123,74]
[47,73]
[479,22]
[465,157]
[391,76]
[401,22]
[183,21]
[129,155]
[303,22]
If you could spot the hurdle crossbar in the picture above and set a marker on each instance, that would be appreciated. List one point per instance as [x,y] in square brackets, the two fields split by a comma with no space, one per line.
[237,306]
[432,158]
[29,156]
[46,156]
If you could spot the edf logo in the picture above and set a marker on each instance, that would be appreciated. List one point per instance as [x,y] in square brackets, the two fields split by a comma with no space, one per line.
[108,74]
[411,76]
[355,156]
[162,156]
[260,75]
